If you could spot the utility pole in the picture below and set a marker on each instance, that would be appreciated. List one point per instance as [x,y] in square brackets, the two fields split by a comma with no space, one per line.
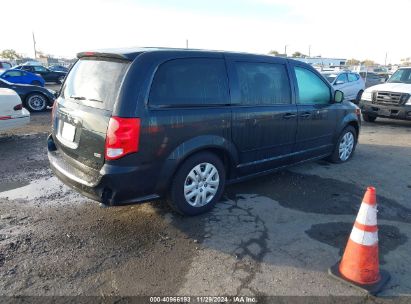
[285,50]
[309,51]
[186,43]
[386,54]
[34,46]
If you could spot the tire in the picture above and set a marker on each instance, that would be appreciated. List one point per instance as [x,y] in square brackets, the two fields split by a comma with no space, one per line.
[348,137]
[358,98]
[204,195]
[36,83]
[368,118]
[60,79]
[36,102]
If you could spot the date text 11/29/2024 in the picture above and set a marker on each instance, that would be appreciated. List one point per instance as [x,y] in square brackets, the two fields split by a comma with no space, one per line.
[204,299]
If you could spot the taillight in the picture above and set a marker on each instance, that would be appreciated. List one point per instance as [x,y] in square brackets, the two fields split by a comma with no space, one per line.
[123,135]
[18,107]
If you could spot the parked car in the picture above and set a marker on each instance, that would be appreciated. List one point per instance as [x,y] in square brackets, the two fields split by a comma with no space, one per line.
[372,79]
[34,98]
[391,99]
[12,113]
[136,125]
[4,66]
[48,75]
[58,68]
[350,83]
[23,77]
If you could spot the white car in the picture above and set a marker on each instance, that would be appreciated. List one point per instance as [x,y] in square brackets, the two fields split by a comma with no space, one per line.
[350,83]
[12,113]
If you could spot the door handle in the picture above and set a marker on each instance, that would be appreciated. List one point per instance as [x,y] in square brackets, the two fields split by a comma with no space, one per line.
[289,115]
[305,115]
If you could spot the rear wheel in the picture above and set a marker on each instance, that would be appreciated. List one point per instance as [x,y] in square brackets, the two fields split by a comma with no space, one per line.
[36,102]
[345,147]
[368,118]
[198,184]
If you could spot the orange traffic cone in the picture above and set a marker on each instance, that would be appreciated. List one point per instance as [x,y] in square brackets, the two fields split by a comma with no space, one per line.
[359,265]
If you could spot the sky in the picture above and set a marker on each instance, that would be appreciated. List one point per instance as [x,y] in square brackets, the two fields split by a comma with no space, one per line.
[340,29]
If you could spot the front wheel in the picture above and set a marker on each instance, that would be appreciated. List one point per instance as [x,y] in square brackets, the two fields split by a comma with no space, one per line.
[345,146]
[368,118]
[198,184]
[36,102]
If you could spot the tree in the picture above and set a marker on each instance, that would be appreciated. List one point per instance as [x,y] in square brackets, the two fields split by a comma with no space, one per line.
[9,54]
[368,62]
[353,61]
[299,54]
[273,52]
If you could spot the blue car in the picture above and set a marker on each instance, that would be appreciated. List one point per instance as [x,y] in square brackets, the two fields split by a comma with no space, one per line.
[18,76]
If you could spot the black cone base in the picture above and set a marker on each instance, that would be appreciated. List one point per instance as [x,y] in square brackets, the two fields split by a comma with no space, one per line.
[373,289]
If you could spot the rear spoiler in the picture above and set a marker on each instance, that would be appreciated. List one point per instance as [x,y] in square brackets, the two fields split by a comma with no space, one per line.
[102,54]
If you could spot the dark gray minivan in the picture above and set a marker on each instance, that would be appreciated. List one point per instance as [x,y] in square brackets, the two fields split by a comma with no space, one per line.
[139,124]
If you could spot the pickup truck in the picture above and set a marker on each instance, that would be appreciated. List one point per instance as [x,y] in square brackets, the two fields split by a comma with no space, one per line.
[390,100]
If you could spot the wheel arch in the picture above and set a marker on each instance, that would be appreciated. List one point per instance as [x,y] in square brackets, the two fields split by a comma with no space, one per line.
[217,145]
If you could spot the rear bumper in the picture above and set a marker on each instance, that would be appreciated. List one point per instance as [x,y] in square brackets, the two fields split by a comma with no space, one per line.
[401,112]
[111,185]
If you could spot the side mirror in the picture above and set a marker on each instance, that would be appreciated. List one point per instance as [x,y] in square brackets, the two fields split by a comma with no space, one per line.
[338,96]
[339,82]
[6,76]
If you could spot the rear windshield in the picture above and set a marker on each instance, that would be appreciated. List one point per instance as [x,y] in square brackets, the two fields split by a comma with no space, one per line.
[95,82]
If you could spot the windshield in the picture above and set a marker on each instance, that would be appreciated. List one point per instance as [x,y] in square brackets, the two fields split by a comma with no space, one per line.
[95,82]
[330,77]
[401,76]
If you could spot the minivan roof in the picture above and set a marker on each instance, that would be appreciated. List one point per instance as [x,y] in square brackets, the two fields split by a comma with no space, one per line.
[132,53]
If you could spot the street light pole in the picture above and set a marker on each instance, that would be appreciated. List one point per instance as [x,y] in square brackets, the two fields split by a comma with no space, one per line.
[285,50]
[34,46]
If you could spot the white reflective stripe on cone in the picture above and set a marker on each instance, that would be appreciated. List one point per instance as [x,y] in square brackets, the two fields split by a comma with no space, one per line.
[367,215]
[364,237]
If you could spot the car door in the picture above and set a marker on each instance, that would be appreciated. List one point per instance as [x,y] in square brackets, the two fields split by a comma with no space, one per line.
[354,85]
[341,83]
[264,115]
[317,115]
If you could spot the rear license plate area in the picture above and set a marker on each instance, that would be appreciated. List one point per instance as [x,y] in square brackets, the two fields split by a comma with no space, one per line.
[68,131]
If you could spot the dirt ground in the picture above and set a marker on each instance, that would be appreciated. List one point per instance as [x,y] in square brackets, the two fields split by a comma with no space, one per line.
[275,235]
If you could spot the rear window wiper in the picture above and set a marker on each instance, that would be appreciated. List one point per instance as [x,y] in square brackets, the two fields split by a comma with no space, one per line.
[78,97]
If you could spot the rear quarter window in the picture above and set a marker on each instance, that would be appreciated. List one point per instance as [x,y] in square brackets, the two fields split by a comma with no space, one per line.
[190,82]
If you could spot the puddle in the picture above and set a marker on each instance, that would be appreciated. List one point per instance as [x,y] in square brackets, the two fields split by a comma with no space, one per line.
[5,186]
[43,189]
[310,193]
[336,234]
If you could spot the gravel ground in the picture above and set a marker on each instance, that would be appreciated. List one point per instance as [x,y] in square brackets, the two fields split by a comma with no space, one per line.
[275,235]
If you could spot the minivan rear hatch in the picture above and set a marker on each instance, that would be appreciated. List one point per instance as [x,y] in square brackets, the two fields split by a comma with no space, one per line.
[85,105]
